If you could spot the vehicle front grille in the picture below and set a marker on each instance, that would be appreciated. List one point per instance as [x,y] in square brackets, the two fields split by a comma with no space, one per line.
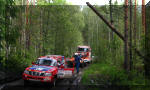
[33,73]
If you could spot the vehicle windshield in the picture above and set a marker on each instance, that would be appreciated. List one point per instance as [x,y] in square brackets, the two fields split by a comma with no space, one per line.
[83,49]
[46,62]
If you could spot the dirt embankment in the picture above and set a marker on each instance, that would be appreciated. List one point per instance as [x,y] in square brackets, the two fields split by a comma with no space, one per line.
[6,77]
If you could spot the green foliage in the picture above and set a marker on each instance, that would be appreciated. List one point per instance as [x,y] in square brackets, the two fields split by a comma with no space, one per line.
[42,30]
[106,74]
[51,2]
[4,5]
[57,28]
[109,52]
[2,8]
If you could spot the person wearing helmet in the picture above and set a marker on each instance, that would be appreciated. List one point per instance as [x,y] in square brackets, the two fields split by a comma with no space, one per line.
[77,61]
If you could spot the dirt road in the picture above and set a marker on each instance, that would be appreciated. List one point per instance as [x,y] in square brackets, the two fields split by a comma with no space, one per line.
[64,84]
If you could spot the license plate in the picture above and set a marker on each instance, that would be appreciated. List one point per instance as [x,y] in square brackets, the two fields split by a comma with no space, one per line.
[60,73]
[68,72]
[64,73]
[34,80]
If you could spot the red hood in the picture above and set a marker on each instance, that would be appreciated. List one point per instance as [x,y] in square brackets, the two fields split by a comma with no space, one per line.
[40,68]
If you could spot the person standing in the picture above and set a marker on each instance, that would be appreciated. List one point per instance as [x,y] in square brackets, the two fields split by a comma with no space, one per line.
[77,61]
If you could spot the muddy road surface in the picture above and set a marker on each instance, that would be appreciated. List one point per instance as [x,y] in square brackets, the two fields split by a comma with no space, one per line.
[61,84]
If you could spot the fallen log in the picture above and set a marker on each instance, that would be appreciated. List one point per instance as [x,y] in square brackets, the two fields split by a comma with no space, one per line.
[108,23]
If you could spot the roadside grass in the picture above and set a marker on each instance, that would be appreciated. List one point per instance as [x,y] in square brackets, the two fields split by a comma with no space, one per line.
[104,74]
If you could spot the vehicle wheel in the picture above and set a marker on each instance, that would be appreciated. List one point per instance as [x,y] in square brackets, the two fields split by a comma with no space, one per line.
[91,62]
[54,82]
[81,65]
[85,64]
[26,83]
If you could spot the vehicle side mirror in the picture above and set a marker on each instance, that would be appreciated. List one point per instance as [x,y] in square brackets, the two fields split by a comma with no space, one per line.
[33,62]
[93,56]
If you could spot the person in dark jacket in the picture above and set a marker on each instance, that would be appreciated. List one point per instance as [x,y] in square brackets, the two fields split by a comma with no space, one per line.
[77,61]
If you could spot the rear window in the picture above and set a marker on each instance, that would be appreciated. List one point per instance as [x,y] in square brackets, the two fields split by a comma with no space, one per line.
[83,49]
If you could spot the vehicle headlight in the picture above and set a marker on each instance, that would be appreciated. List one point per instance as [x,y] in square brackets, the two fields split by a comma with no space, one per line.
[48,74]
[26,72]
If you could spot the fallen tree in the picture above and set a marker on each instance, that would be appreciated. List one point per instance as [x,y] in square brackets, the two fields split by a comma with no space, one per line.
[118,33]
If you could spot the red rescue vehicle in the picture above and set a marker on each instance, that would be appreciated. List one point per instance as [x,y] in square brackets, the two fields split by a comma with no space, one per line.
[47,69]
[85,53]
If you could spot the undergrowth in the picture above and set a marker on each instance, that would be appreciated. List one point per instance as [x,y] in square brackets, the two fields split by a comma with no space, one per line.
[104,74]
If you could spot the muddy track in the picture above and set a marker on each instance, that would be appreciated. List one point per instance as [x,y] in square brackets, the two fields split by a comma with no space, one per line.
[64,84]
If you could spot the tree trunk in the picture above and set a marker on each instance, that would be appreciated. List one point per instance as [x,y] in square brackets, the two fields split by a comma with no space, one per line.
[118,33]
[111,17]
[43,33]
[126,56]
[40,44]
[134,30]
[130,34]
[27,26]
[143,15]
[147,42]
[21,30]
[7,32]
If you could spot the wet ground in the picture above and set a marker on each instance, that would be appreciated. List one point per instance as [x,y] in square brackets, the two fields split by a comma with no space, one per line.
[63,84]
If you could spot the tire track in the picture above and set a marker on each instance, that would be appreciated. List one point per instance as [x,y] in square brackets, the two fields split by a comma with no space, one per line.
[64,84]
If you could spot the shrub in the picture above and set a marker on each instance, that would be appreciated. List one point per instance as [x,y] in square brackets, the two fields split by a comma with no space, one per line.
[107,74]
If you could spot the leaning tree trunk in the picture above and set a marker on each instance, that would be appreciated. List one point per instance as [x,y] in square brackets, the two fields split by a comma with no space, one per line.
[119,34]
[126,59]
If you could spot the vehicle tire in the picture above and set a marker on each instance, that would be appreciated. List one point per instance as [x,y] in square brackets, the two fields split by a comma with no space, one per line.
[81,65]
[26,83]
[91,62]
[85,64]
[54,82]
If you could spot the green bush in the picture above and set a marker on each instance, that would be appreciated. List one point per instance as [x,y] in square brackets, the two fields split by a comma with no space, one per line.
[107,74]
[104,74]
[16,63]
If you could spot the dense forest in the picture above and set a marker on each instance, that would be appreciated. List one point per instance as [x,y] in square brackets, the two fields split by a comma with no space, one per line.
[30,31]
